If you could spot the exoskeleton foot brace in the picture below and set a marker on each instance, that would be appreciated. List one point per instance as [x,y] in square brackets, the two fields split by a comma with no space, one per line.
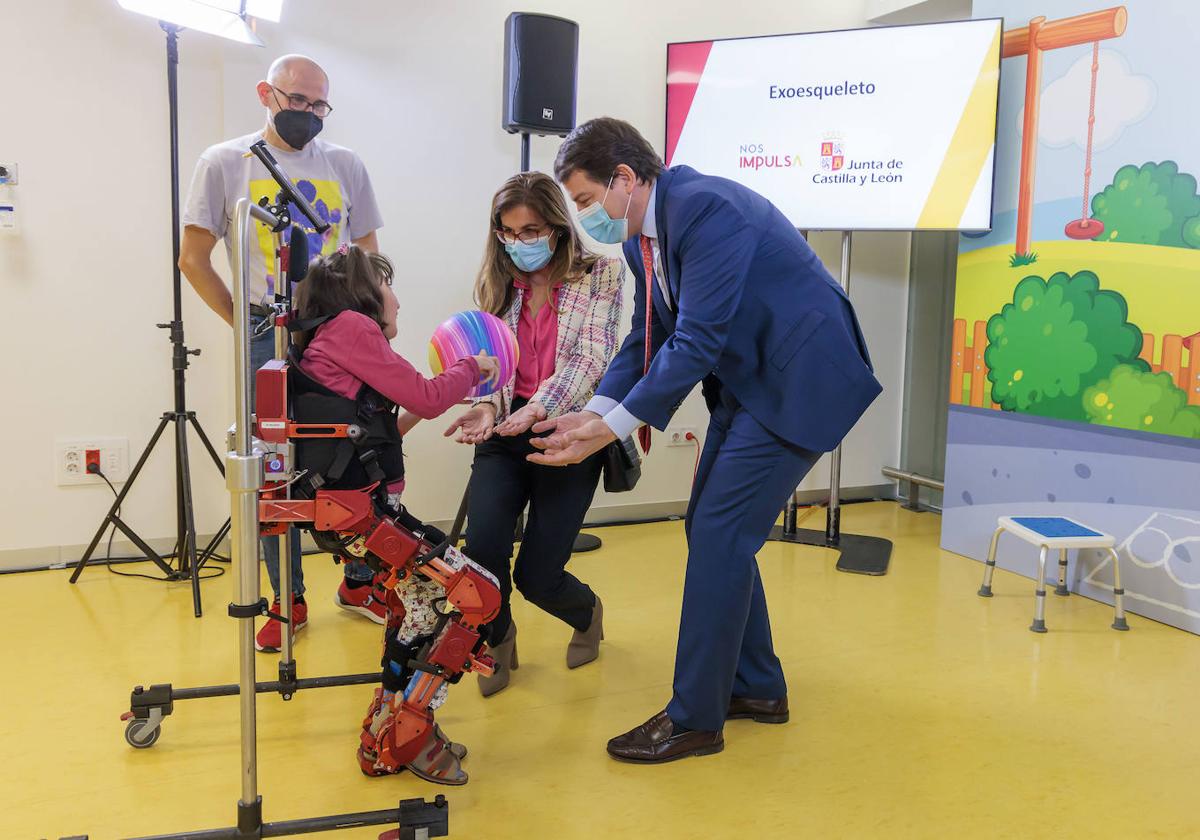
[401,546]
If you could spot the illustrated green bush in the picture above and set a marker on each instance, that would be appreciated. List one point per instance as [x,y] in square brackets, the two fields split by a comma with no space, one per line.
[1136,399]
[1191,232]
[1057,338]
[1154,204]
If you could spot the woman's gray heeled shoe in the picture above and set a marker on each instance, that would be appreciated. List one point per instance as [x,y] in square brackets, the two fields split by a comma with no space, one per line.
[585,644]
[505,655]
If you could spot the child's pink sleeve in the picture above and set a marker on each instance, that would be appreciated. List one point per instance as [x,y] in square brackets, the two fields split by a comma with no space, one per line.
[369,357]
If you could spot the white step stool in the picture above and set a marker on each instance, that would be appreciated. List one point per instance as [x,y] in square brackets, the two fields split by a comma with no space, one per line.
[1062,533]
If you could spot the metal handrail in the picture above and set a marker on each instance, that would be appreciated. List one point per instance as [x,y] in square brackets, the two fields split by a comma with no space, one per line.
[915,481]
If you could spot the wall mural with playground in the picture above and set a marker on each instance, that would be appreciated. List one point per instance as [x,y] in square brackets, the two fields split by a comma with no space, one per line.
[1075,370]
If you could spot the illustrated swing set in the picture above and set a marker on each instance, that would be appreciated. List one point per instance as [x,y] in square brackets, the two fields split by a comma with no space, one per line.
[1031,41]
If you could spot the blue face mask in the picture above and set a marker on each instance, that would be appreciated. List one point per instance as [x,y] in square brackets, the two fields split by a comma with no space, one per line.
[596,222]
[530,257]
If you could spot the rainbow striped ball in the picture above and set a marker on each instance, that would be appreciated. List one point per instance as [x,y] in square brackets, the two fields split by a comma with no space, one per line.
[468,334]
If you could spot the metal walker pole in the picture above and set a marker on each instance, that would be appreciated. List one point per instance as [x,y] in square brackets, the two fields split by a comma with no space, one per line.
[244,478]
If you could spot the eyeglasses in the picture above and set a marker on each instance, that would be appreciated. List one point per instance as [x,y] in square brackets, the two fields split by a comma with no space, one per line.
[300,102]
[529,236]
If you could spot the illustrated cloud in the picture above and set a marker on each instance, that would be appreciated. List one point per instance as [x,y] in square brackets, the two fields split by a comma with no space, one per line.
[1122,99]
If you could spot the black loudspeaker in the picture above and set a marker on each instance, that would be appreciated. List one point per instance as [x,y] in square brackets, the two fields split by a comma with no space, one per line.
[541,56]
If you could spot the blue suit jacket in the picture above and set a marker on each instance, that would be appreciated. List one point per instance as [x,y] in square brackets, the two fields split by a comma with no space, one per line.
[755,311]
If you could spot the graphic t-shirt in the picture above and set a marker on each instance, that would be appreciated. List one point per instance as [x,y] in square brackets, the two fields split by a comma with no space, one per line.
[331,177]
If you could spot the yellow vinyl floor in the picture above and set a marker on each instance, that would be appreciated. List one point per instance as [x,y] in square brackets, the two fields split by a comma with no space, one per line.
[918,710]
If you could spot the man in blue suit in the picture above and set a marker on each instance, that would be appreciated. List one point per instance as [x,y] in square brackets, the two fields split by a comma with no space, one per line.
[741,304]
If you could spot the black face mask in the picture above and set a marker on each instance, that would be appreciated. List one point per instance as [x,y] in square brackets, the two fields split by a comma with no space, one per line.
[297,128]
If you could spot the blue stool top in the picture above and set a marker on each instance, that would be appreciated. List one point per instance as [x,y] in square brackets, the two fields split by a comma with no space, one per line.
[1055,527]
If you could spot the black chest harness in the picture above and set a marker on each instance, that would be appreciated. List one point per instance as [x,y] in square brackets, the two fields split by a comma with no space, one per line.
[373,449]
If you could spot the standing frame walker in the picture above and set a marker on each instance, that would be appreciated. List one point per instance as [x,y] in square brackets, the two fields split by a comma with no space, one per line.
[416,818]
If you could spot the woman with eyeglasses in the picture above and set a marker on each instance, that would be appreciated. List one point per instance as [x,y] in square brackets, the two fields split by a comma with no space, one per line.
[564,304]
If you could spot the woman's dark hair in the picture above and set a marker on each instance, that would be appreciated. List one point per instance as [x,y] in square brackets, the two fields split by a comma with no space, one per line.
[598,146]
[349,278]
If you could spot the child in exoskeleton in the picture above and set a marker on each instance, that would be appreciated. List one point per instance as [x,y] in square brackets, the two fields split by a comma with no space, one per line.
[349,349]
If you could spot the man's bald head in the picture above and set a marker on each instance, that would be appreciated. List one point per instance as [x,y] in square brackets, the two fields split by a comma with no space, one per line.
[295,70]
[294,82]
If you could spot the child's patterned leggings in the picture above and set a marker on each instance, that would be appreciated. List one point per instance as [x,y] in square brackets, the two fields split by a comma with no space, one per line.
[411,619]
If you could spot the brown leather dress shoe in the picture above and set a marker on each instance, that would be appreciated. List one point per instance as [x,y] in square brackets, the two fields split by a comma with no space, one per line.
[654,742]
[762,711]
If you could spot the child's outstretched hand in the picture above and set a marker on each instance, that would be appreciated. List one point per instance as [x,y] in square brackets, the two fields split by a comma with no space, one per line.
[475,425]
[489,368]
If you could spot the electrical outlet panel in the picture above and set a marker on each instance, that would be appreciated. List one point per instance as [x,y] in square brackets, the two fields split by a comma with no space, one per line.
[71,459]
[8,196]
[678,435]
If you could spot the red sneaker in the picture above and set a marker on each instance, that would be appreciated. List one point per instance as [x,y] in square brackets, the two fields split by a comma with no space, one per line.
[270,637]
[361,600]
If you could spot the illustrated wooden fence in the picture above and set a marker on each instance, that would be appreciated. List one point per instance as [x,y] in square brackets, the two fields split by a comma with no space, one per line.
[969,384]
[968,362]
[1170,360]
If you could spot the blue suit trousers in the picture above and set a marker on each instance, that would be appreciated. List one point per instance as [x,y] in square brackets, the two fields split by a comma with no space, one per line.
[725,650]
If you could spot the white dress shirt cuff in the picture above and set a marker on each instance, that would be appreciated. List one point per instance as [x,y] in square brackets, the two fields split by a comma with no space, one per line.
[601,405]
[622,423]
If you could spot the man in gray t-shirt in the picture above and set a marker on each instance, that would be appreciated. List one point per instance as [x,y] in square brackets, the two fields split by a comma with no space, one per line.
[335,182]
[331,177]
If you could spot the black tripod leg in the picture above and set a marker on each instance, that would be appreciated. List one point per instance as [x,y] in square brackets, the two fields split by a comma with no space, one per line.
[181,555]
[224,530]
[112,511]
[207,443]
[188,549]
[211,548]
[145,548]
[461,516]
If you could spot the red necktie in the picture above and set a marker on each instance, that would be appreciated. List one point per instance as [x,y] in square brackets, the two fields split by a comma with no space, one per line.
[648,267]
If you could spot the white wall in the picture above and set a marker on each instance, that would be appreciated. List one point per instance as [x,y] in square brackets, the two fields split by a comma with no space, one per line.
[916,11]
[88,275]
[416,88]
[879,290]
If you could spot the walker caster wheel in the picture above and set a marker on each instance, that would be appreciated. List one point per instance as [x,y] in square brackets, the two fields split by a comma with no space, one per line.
[139,735]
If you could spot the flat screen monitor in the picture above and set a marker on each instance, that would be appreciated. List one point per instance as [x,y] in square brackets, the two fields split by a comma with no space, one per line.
[888,128]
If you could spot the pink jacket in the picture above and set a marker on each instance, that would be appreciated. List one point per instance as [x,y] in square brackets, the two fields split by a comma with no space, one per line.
[350,349]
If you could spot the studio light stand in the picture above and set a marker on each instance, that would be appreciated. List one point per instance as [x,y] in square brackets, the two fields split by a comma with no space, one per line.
[415,819]
[179,418]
